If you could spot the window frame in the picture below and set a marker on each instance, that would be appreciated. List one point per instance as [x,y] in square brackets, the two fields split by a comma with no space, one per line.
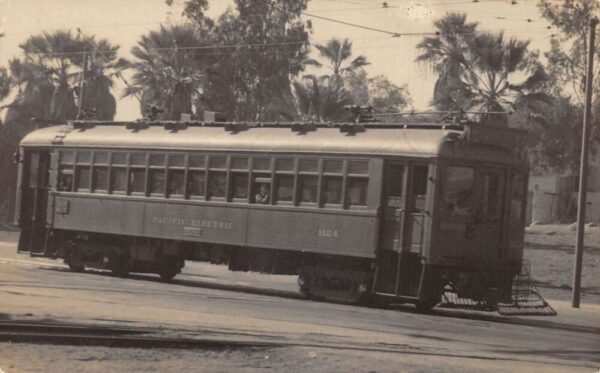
[160,169]
[69,169]
[130,169]
[170,170]
[211,172]
[189,170]
[112,169]
[78,166]
[100,165]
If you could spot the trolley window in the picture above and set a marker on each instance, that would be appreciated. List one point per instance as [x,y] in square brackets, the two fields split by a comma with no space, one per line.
[309,165]
[176,183]
[157,160]
[197,161]
[101,158]
[83,171]
[492,192]
[84,157]
[137,159]
[419,186]
[82,179]
[517,211]
[307,186]
[65,171]
[119,159]
[137,180]
[118,179]
[261,164]
[358,167]
[261,188]
[217,184]
[239,163]
[332,190]
[356,192]
[100,178]
[239,185]
[459,189]
[65,179]
[66,157]
[218,162]
[176,160]
[285,188]
[284,164]
[157,181]
[332,166]
[196,183]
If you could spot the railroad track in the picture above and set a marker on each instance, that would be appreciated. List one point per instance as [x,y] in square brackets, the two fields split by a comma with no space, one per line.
[136,337]
[110,336]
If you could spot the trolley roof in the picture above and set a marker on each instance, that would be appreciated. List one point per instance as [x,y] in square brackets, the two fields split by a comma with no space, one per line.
[238,137]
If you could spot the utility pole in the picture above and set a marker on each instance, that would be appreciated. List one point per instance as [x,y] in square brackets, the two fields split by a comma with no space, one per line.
[583,168]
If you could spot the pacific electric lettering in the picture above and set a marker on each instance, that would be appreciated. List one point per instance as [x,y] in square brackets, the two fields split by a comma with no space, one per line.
[197,223]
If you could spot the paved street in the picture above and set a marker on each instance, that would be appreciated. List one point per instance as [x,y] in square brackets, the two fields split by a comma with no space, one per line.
[208,301]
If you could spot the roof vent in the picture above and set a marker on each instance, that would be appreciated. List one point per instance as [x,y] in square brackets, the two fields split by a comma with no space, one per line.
[351,128]
[303,128]
[235,126]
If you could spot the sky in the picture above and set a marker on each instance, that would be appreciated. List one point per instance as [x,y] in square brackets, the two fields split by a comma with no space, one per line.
[123,21]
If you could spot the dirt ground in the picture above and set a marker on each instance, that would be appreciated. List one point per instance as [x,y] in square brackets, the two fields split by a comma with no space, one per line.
[18,358]
[551,251]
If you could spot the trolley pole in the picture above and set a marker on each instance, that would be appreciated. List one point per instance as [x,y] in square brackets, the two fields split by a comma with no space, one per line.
[81,83]
[583,172]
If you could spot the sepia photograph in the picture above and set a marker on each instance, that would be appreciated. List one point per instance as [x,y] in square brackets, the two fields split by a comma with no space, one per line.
[299,186]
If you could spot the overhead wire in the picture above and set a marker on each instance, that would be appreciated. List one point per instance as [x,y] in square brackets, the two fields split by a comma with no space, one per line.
[273,44]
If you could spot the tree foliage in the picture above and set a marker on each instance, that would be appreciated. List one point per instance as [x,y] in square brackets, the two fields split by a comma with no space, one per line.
[479,71]
[46,81]
[264,45]
[567,57]
[378,92]
[444,54]
[170,69]
[337,54]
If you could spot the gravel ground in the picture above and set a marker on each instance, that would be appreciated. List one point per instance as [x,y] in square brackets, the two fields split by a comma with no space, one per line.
[551,251]
[18,358]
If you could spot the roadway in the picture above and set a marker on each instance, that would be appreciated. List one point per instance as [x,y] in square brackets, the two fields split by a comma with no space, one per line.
[209,303]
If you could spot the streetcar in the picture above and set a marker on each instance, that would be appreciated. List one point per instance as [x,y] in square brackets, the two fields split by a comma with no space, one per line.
[360,212]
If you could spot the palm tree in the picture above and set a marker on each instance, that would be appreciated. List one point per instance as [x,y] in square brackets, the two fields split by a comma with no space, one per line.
[445,54]
[336,54]
[489,70]
[476,71]
[60,57]
[321,99]
[101,67]
[168,72]
[46,81]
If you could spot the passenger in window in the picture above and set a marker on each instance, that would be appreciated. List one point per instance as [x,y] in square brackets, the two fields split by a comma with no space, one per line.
[263,194]
[65,184]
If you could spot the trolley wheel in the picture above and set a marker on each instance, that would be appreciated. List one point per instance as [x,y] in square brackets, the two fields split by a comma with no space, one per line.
[121,268]
[76,267]
[427,304]
[168,273]
[305,283]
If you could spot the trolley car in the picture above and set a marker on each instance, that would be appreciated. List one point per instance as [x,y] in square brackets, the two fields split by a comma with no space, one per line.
[358,211]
